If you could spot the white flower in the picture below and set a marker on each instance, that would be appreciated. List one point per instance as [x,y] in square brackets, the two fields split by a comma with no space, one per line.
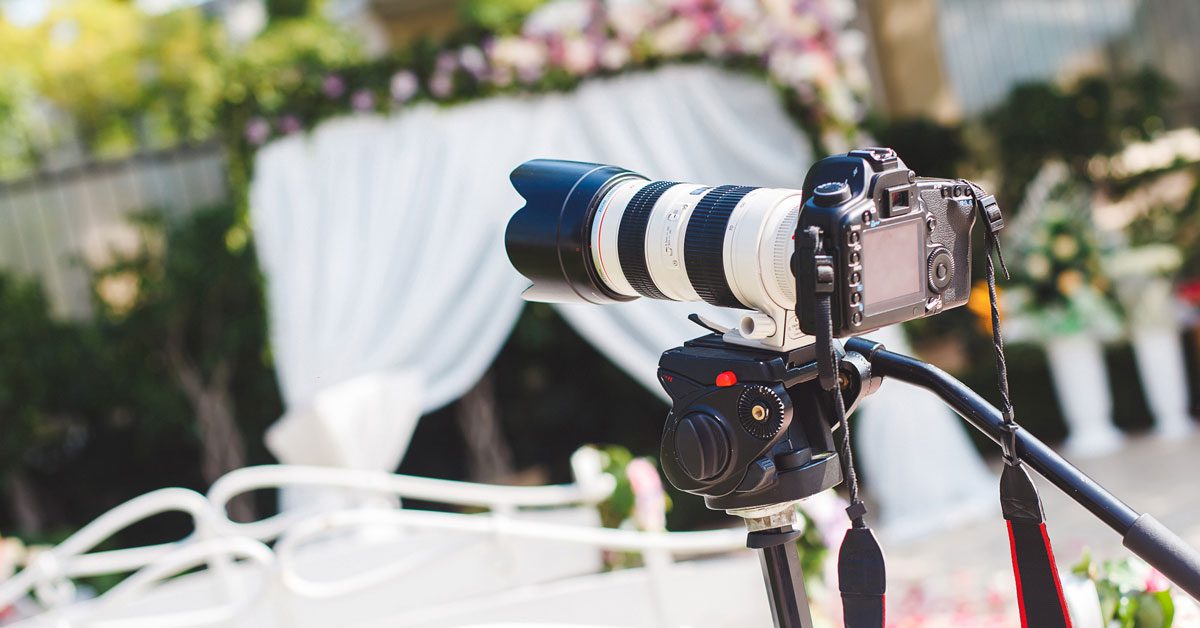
[519,54]
[631,18]
[614,55]
[840,11]
[472,60]
[1037,266]
[558,18]
[793,67]
[579,56]
[403,86]
[753,39]
[674,38]
[840,101]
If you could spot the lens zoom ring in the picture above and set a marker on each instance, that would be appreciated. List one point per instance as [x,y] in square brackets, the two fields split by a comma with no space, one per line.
[631,238]
[704,244]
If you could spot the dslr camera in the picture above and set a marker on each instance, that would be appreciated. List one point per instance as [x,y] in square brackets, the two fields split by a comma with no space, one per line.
[898,244]
[750,425]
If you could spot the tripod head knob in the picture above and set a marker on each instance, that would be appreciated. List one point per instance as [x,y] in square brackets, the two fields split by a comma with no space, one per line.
[702,446]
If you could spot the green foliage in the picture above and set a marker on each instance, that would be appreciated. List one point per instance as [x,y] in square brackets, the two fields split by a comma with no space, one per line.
[195,302]
[928,147]
[95,412]
[42,381]
[1130,594]
[290,9]
[1060,258]
[811,549]
[619,506]
[128,80]
[1097,115]
[502,17]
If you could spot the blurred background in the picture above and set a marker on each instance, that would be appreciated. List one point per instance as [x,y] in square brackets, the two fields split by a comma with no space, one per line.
[170,169]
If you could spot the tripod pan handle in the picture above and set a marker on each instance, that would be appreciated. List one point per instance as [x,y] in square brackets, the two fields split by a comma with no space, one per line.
[1166,552]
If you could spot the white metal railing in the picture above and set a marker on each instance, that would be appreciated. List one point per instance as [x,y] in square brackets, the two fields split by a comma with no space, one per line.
[221,543]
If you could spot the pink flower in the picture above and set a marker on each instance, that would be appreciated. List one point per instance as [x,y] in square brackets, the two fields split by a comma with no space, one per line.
[578,56]
[649,500]
[529,74]
[290,124]
[1155,581]
[446,63]
[362,100]
[258,130]
[333,86]
[472,60]
[828,512]
[403,86]
[441,85]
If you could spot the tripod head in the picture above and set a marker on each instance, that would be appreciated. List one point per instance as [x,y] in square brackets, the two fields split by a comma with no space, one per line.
[751,428]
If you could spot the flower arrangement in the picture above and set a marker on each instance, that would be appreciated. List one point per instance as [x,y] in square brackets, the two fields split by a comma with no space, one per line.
[1060,286]
[802,46]
[1131,594]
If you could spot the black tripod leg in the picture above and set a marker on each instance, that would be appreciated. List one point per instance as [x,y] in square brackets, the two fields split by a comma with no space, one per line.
[785,585]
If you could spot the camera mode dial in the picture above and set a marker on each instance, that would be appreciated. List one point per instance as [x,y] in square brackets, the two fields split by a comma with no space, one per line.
[831,193]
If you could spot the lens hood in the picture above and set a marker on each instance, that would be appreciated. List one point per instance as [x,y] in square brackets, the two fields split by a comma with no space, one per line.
[548,241]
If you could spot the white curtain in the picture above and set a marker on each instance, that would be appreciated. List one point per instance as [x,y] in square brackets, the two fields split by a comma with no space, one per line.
[920,466]
[382,242]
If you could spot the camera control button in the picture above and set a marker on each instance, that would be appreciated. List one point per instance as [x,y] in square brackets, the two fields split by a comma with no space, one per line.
[701,446]
[941,270]
[831,193]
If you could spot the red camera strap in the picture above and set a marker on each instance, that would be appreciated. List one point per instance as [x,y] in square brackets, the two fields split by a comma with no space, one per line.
[1039,590]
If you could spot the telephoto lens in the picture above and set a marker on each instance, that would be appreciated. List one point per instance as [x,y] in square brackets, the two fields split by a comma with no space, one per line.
[601,234]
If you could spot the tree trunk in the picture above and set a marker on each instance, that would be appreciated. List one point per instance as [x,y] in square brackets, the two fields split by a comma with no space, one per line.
[22,500]
[220,439]
[489,456]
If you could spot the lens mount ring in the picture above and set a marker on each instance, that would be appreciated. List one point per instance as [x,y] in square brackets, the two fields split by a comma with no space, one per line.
[704,244]
[631,238]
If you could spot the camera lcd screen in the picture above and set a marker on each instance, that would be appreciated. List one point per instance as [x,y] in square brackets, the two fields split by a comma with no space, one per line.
[892,266]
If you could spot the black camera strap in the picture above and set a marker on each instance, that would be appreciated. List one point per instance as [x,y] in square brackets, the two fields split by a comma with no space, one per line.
[862,574]
[1039,590]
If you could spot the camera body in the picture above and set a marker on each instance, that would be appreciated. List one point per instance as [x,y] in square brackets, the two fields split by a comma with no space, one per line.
[893,246]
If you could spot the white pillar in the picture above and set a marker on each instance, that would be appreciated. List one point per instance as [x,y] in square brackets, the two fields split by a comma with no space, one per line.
[1161,366]
[1081,383]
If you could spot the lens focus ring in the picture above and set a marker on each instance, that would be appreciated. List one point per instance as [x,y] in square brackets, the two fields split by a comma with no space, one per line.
[631,238]
[703,247]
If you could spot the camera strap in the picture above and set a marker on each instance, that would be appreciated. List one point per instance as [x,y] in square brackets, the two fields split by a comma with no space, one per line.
[1039,589]
[862,574]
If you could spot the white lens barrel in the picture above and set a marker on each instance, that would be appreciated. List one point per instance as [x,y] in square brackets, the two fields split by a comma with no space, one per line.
[664,241]
[605,226]
[644,242]
[763,223]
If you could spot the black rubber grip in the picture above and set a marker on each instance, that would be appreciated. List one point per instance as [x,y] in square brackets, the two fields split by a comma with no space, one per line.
[631,238]
[703,246]
[1166,552]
